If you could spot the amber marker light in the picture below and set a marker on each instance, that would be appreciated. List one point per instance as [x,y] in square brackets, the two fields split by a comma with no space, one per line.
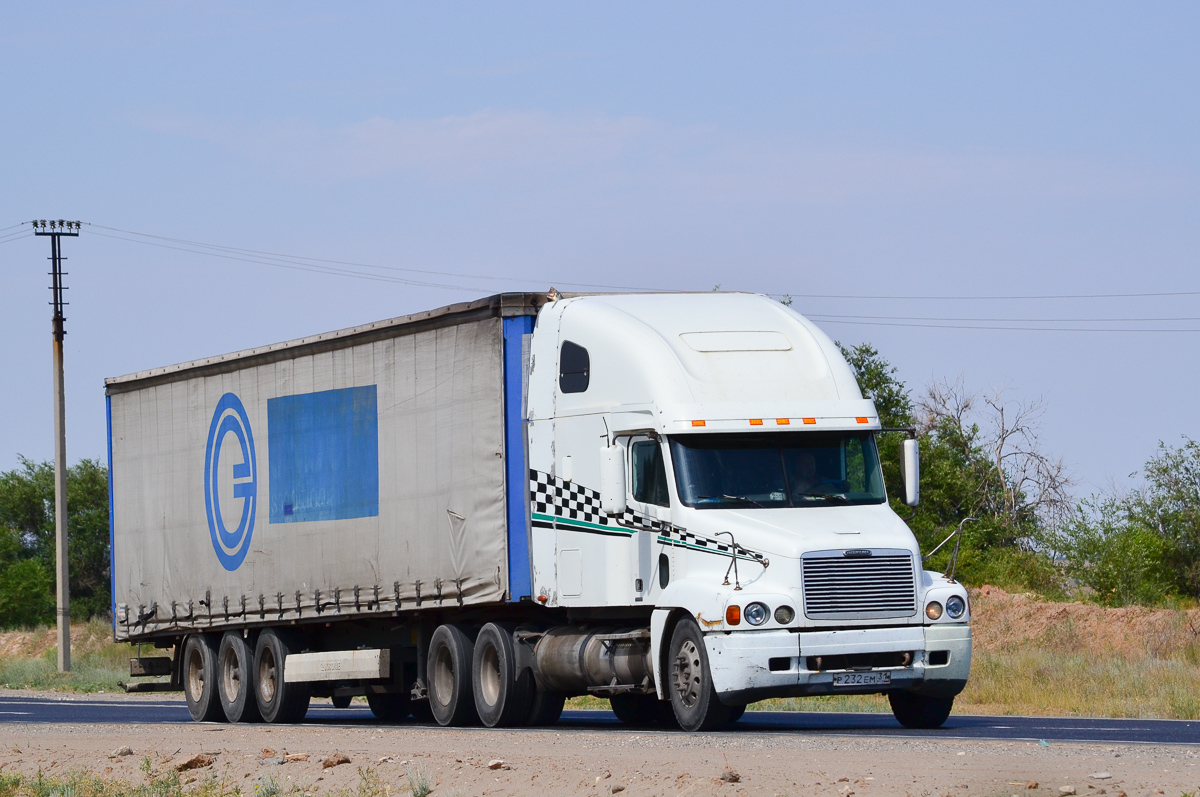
[810,420]
[697,423]
[783,421]
[756,421]
[733,615]
[863,420]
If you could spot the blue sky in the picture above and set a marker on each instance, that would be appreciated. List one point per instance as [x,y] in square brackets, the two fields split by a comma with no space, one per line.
[849,150]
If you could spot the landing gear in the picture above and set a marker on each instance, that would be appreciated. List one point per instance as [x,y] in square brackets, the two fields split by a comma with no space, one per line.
[920,711]
[341,701]
[693,696]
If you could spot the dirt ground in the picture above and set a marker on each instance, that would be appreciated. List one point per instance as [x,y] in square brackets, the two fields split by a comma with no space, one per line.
[1003,621]
[600,762]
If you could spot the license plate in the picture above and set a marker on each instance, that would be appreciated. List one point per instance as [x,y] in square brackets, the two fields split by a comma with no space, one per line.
[862,678]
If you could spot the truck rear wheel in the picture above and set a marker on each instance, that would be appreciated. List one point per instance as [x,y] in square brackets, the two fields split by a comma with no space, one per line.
[544,707]
[693,696]
[200,679]
[235,684]
[451,696]
[920,711]
[388,706]
[278,700]
[501,698]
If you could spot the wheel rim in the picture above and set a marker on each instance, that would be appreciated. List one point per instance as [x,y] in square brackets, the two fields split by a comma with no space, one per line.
[266,676]
[489,675]
[231,674]
[195,675]
[443,676]
[686,669]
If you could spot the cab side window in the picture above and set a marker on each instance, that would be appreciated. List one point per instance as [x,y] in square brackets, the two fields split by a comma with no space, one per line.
[649,473]
[573,367]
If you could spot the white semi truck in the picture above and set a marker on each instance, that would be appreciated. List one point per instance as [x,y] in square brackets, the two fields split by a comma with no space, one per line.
[670,500]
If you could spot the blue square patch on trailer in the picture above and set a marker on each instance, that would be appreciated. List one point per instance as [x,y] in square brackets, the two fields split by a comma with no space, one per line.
[324,455]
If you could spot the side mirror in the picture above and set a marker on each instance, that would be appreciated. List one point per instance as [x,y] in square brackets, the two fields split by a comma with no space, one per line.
[910,469]
[612,480]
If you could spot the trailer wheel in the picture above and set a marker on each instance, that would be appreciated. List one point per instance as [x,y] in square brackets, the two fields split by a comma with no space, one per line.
[200,679]
[693,696]
[278,700]
[501,698]
[920,711]
[235,682]
[451,696]
[388,706]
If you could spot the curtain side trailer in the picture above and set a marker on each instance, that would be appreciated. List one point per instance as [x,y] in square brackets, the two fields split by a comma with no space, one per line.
[470,514]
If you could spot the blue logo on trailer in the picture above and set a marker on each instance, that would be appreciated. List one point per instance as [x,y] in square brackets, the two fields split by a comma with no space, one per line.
[230,418]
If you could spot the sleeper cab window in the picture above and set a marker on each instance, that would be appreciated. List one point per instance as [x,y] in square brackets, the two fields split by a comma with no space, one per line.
[649,473]
[574,366]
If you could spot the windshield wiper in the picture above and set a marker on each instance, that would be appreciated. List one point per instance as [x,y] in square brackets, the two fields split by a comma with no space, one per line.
[732,498]
[841,498]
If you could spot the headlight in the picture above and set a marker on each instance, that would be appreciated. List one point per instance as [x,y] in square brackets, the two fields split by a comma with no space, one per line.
[955,606]
[756,613]
[784,615]
[934,610]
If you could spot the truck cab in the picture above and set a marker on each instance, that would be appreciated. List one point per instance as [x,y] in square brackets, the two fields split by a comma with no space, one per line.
[708,463]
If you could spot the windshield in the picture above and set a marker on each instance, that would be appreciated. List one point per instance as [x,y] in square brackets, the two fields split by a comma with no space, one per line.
[776,469]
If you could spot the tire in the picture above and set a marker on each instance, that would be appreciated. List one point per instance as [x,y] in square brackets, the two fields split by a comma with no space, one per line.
[342,701]
[235,679]
[421,710]
[199,675]
[920,711]
[544,707]
[388,706]
[693,697]
[502,700]
[278,700]
[451,695]
[641,711]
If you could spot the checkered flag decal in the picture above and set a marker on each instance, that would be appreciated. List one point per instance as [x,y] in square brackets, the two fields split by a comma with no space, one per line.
[567,500]
[570,501]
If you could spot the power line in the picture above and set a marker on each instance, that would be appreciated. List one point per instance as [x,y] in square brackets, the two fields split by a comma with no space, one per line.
[823,320]
[276,258]
[15,236]
[831,317]
[13,226]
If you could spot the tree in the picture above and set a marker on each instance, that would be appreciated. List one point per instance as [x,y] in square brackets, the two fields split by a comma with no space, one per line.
[980,458]
[27,550]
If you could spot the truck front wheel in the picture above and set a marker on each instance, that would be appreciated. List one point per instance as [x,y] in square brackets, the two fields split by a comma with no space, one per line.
[235,666]
[693,696]
[200,679]
[278,700]
[920,711]
[451,696]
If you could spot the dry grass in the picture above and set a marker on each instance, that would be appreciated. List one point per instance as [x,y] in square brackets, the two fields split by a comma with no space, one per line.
[97,663]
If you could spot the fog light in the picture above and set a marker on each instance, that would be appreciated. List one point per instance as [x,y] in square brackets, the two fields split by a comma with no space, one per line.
[784,615]
[757,613]
[733,615]
[955,606]
[934,610]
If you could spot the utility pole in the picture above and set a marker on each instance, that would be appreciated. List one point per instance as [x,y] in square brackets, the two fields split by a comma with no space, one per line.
[55,230]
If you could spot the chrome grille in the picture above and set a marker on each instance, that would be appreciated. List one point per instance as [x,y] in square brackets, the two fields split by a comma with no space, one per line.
[837,587]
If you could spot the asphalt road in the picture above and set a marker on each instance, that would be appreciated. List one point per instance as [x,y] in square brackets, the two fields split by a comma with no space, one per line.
[97,710]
